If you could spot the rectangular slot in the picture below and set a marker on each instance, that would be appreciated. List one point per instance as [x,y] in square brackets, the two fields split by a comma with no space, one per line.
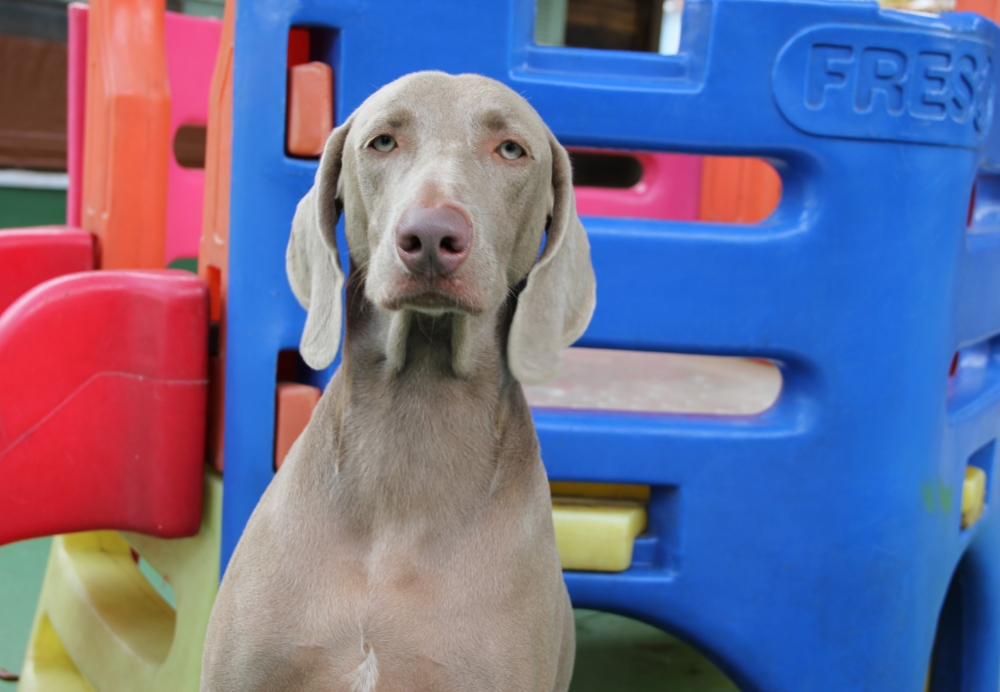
[630,25]
[674,187]
[309,114]
[975,485]
[297,392]
[973,376]
[984,204]
[603,379]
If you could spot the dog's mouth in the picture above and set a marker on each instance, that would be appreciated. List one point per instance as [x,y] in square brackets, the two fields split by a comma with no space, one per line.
[434,296]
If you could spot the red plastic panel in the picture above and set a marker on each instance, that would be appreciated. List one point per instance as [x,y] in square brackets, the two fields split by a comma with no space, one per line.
[103,383]
[30,256]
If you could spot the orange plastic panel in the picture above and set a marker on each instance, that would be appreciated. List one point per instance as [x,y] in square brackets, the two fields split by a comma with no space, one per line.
[988,8]
[213,253]
[737,190]
[293,408]
[127,137]
[310,108]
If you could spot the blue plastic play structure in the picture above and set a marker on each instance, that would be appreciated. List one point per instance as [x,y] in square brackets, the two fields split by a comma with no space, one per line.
[809,548]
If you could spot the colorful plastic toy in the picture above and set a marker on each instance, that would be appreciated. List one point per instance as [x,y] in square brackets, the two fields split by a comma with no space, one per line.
[104,424]
[830,523]
[191,45]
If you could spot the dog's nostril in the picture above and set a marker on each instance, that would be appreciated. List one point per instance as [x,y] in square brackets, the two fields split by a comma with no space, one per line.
[410,243]
[452,245]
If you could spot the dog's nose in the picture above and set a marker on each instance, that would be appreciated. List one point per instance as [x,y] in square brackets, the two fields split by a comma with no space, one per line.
[433,242]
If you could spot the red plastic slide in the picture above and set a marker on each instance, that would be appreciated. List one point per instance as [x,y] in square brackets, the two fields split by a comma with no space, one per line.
[29,256]
[103,383]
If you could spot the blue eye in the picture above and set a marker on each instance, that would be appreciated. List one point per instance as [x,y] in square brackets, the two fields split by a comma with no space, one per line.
[383,143]
[510,150]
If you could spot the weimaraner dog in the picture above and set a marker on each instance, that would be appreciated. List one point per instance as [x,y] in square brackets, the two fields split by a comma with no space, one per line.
[407,542]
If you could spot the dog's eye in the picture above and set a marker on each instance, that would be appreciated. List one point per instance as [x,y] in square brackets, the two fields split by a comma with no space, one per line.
[510,150]
[383,143]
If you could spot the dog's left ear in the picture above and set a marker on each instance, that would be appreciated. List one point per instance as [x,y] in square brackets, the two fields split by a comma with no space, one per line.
[311,260]
[558,300]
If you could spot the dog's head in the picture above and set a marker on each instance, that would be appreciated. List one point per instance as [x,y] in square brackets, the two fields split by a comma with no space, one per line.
[448,184]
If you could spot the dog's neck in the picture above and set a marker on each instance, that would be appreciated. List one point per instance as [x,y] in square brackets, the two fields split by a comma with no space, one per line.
[425,406]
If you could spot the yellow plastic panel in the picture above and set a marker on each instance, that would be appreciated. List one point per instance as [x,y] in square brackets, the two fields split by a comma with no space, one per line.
[973,495]
[596,536]
[53,668]
[100,624]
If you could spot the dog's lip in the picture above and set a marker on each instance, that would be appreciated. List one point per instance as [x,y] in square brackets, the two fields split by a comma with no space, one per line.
[433,295]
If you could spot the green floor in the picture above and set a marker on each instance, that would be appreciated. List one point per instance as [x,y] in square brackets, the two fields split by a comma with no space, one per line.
[22,566]
[21,207]
[613,653]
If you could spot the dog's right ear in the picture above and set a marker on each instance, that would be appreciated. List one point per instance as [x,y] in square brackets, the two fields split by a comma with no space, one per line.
[312,261]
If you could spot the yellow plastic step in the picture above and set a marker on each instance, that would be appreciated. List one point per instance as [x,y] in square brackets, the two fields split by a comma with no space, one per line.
[973,495]
[596,535]
[101,625]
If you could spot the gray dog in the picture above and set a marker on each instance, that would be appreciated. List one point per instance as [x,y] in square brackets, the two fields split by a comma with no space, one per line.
[407,542]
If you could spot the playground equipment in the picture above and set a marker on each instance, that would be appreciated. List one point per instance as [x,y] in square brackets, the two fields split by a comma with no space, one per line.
[105,375]
[817,545]
[834,516]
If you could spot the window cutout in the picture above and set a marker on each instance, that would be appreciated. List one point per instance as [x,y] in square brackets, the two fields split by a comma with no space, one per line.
[976,370]
[984,204]
[659,383]
[982,459]
[670,27]
[652,26]
[309,93]
[674,187]
[189,146]
[632,25]
[976,484]
[297,391]
[593,169]
[618,653]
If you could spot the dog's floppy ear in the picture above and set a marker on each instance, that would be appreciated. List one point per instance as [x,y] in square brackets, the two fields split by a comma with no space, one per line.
[311,260]
[558,300]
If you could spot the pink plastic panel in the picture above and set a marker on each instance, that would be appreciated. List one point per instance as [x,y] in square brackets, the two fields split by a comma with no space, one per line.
[103,383]
[192,44]
[76,104]
[669,190]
